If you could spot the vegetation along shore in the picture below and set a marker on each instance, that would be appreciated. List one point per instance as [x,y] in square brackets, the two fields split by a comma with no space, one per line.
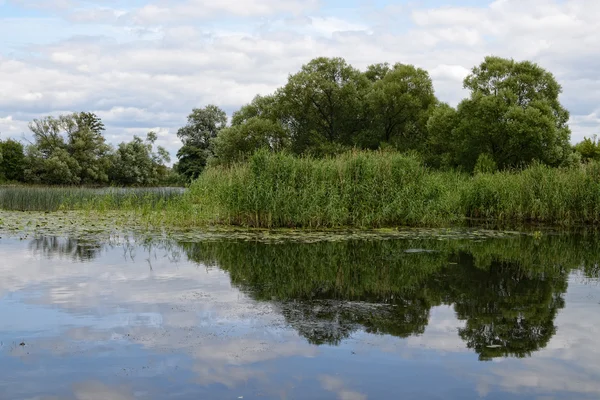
[334,147]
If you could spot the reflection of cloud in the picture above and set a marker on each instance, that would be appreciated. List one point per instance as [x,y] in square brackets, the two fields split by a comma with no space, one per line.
[100,391]
[337,386]
[226,375]
[570,362]
[169,309]
[441,333]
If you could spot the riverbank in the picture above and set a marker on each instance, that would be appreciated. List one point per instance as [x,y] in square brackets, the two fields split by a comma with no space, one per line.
[356,190]
[384,189]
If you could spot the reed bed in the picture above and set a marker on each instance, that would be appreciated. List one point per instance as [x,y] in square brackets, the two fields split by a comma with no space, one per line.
[357,189]
[48,198]
[383,189]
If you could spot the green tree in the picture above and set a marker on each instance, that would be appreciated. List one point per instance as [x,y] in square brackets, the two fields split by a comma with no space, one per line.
[324,103]
[56,168]
[136,164]
[265,107]
[69,149]
[440,149]
[513,114]
[203,125]
[400,102]
[86,144]
[12,165]
[376,72]
[589,149]
[239,141]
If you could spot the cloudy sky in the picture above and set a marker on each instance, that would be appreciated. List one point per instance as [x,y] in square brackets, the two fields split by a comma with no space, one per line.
[144,64]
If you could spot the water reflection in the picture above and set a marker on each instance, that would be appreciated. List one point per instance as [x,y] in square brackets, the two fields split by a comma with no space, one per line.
[326,291]
[212,317]
[50,247]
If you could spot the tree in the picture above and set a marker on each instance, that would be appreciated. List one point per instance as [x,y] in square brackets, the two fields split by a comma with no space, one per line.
[69,149]
[135,163]
[588,148]
[239,141]
[87,146]
[203,125]
[513,114]
[400,102]
[265,107]
[324,102]
[57,168]
[440,149]
[12,165]
[376,72]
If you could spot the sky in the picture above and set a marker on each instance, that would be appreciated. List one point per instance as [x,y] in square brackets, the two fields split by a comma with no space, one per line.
[143,65]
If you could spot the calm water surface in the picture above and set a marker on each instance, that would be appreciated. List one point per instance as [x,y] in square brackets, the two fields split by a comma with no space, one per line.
[513,318]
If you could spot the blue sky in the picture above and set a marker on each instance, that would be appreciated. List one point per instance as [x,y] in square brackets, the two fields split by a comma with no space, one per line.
[144,64]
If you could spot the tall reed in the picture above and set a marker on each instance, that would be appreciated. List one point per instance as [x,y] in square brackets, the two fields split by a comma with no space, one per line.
[37,198]
[362,189]
[379,189]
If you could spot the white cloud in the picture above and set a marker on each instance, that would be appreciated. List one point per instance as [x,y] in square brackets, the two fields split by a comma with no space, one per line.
[148,65]
[336,385]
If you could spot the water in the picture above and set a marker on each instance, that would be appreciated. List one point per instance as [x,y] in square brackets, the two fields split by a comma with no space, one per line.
[512,318]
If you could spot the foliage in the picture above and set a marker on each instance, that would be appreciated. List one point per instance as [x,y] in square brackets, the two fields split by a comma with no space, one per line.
[383,189]
[135,163]
[441,149]
[485,164]
[12,163]
[42,198]
[589,149]
[202,127]
[238,142]
[513,114]
[68,150]
[354,189]
[324,102]
[399,103]
[71,150]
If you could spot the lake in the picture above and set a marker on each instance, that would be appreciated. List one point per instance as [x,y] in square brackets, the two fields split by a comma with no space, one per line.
[515,317]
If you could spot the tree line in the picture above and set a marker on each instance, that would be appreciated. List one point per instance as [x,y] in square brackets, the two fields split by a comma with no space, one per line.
[511,118]
[71,150]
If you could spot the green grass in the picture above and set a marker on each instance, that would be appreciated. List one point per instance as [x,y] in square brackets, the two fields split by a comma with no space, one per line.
[357,189]
[382,189]
[50,198]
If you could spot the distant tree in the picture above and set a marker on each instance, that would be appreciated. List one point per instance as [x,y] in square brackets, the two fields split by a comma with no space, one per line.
[86,144]
[265,107]
[589,149]
[57,168]
[69,149]
[136,164]
[513,114]
[12,165]
[440,149]
[202,126]
[239,141]
[324,102]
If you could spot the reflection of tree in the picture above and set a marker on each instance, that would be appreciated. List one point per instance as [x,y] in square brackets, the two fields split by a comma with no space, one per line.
[508,291]
[326,291]
[70,248]
[509,310]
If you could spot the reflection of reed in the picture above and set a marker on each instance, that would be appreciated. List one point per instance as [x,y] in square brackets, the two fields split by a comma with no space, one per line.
[74,249]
